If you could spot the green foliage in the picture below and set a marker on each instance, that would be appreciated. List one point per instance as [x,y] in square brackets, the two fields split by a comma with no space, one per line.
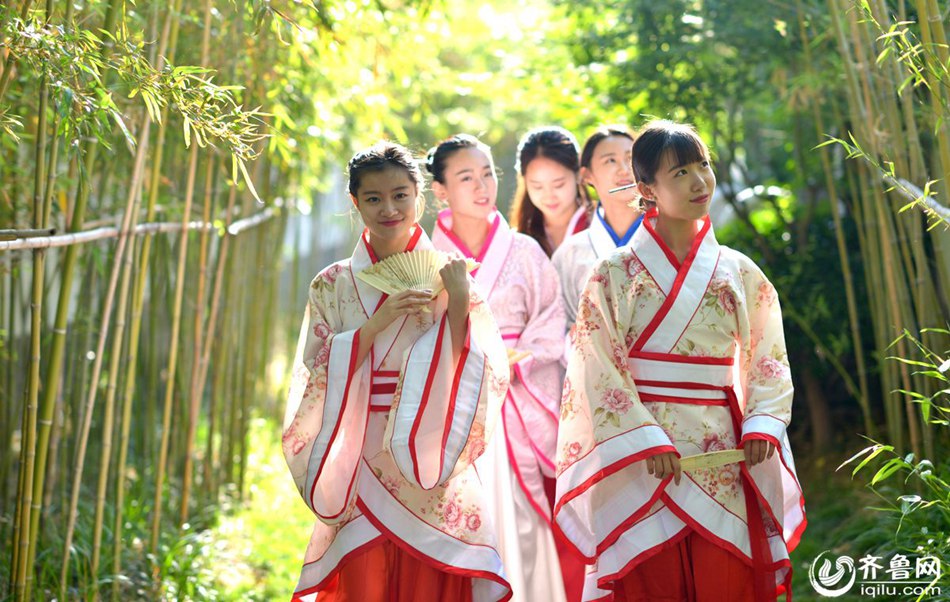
[916,507]
[809,279]
[80,72]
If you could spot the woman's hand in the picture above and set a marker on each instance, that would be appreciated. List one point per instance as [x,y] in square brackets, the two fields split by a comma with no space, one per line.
[664,465]
[455,278]
[396,306]
[757,450]
[400,304]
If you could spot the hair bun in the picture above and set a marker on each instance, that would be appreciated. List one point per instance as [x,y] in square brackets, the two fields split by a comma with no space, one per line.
[430,160]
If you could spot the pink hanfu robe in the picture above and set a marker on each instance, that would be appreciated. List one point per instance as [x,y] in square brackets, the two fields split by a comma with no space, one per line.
[384,450]
[521,288]
[677,358]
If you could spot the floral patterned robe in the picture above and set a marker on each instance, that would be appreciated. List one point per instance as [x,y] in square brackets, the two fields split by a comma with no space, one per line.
[385,449]
[521,288]
[676,358]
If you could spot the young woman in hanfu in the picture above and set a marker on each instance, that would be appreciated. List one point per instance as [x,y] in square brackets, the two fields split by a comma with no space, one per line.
[392,399]
[679,351]
[521,287]
[549,203]
[606,164]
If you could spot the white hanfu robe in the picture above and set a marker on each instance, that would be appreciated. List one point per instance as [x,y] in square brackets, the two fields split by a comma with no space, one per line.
[521,288]
[385,449]
[676,358]
[576,256]
[577,224]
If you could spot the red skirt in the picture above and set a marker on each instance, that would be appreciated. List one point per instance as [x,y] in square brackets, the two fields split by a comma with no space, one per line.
[386,573]
[690,570]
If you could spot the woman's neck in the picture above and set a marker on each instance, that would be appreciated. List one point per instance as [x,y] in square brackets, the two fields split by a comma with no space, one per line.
[619,216]
[678,234]
[383,248]
[556,229]
[472,231]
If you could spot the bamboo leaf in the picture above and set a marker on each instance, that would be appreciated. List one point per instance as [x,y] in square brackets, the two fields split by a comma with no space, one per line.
[892,466]
[871,452]
[247,180]
[186,126]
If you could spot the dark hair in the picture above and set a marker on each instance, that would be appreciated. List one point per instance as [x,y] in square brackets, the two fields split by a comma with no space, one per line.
[556,144]
[440,153]
[661,136]
[378,157]
[601,133]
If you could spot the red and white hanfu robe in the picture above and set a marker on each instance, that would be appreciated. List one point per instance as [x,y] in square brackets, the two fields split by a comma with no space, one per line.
[521,287]
[384,450]
[687,358]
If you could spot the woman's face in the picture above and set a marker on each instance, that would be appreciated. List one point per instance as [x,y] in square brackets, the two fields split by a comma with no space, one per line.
[682,192]
[552,188]
[470,187]
[611,167]
[386,200]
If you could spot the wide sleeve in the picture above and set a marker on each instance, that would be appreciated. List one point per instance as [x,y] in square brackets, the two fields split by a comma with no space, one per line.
[445,408]
[538,377]
[764,371]
[327,408]
[767,393]
[602,485]
[571,286]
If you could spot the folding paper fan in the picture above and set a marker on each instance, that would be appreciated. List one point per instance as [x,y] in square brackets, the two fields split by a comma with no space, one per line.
[712,459]
[516,355]
[413,270]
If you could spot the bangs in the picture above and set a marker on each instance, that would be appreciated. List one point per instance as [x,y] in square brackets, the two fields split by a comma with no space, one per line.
[661,139]
[684,148]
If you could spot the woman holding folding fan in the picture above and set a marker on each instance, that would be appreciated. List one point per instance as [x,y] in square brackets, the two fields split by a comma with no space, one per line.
[393,397]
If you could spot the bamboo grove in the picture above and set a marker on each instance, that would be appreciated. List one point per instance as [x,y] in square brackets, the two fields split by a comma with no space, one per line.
[153,154]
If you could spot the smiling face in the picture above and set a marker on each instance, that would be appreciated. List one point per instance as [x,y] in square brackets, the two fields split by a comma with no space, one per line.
[611,166]
[386,200]
[552,188]
[470,187]
[681,191]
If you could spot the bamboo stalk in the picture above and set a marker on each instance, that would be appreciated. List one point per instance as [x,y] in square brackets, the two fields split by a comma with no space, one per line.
[850,297]
[220,275]
[172,356]
[20,572]
[141,150]
[194,394]
[108,419]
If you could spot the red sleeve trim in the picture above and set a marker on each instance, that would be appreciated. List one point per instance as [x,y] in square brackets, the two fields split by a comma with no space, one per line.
[336,428]
[453,394]
[424,402]
[299,595]
[441,566]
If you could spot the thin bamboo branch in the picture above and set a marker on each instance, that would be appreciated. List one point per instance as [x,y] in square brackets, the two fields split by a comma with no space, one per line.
[29,233]
[78,238]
